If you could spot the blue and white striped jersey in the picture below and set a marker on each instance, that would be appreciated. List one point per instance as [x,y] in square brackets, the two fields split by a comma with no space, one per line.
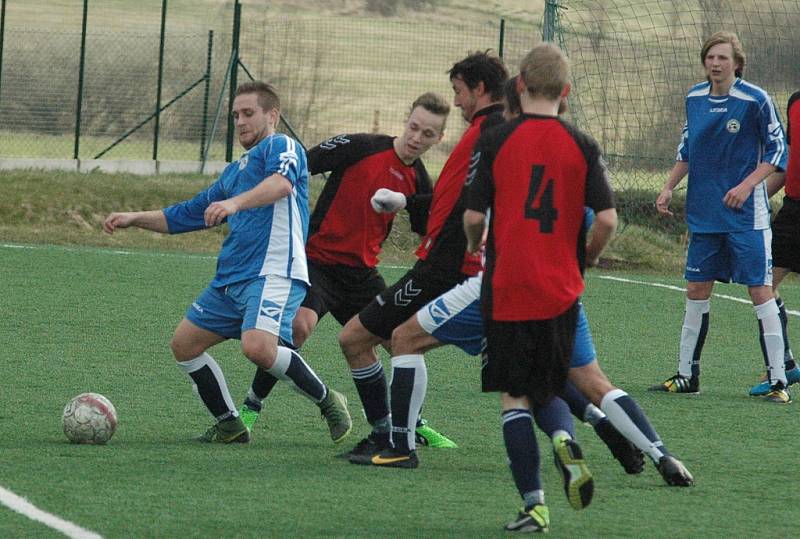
[724,139]
[268,240]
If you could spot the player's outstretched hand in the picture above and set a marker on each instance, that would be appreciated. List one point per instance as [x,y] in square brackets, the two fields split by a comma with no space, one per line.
[217,212]
[117,220]
[387,201]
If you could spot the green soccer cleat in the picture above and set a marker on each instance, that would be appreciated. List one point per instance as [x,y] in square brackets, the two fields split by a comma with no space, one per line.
[678,384]
[578,482]
[534,520]
[249,416]
[227,432]
[425,435]
[334,410]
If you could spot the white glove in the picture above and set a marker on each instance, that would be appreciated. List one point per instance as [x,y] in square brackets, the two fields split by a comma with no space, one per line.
[387,201]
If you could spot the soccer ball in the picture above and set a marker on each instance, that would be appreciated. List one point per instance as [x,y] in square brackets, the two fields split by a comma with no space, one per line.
[89,418]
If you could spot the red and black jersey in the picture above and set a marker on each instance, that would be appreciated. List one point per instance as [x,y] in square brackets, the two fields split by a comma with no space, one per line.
[445,245]
[536,174]
[344,229]
[792,187]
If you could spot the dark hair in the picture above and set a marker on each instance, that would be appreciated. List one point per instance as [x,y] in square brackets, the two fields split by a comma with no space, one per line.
[481,67]
[511,96]
[267,96]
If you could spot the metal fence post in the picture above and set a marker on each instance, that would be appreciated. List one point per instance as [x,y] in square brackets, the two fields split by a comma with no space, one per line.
[549,23]
[2,35]
[206,91]
[157,124]
[502,36]
[237,16]
[79,104]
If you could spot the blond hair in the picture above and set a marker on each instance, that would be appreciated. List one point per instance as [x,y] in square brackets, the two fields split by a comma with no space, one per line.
[722,37]
[545,71]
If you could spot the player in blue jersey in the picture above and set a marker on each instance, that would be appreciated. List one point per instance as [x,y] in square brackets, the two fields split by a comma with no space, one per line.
[261,275]
[732,140]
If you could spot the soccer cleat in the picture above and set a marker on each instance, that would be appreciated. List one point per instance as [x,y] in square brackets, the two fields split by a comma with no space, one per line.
[778,394]
[674,472]
[578,482]
[391,458]
[424,435]
[678,384]
[334,410]
[227,432]
[624,451]
[792,377]
[364,450]
[249,416]
[534,520]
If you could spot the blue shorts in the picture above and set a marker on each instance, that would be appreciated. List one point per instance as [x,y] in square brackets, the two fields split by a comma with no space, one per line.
[455,318]
[267,303]
[744,257]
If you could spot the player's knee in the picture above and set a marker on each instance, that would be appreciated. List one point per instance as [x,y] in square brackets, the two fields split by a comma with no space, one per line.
[301,331]
[182,350]
[260,352]
[403,339]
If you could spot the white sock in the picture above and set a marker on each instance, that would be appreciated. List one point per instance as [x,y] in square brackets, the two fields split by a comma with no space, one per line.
[205,360]
[406,396]
[625,425]
[307,383]
[772,332]
[690,333]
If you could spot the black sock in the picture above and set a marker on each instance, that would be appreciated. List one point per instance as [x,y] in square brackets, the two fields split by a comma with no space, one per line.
[373,392]
[210,393]
[788,357]
[522,450]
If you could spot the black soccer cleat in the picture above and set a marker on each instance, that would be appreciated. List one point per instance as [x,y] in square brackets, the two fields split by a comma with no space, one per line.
[678,384]
[674,472]
[627,454]
[364,450]
[391,458]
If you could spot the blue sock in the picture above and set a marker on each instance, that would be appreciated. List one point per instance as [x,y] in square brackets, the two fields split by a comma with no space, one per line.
[522,451]
[553,416]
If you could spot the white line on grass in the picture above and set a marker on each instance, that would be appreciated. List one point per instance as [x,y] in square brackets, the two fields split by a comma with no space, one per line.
[679,289]
[24,507]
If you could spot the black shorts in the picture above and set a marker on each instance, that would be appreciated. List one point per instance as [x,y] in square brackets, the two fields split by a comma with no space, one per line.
[530,358]
[786,236]
[403,299]
[341,290]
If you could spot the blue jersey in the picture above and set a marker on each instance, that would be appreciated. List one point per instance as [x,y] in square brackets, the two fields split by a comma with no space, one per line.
[261,241]
[725,138]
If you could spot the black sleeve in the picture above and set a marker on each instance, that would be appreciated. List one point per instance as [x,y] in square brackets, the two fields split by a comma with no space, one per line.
[599,195]
[418,205]
[479,185]
[338,152]
[794,100]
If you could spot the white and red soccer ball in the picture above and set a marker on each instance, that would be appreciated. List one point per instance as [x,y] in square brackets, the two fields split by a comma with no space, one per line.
[89,418]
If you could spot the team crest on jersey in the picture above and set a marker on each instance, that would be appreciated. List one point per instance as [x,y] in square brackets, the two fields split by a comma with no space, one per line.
[243,161]
[733,126]
[270,309]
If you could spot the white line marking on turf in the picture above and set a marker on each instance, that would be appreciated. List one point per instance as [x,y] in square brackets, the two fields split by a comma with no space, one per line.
[679,289]
[24,507]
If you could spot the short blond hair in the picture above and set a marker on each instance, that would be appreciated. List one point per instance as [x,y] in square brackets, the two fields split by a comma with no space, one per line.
[545,71]
[722,37]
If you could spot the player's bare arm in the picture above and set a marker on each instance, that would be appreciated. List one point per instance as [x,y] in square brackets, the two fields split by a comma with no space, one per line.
[678,172]
[270,190]
[603,228]
[736,197]
[474,222]
[149,220]
[775,183]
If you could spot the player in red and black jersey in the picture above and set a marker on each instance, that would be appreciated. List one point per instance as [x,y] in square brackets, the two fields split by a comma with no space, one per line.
[345,231]
[533,176]
[786,234]
[443,261]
